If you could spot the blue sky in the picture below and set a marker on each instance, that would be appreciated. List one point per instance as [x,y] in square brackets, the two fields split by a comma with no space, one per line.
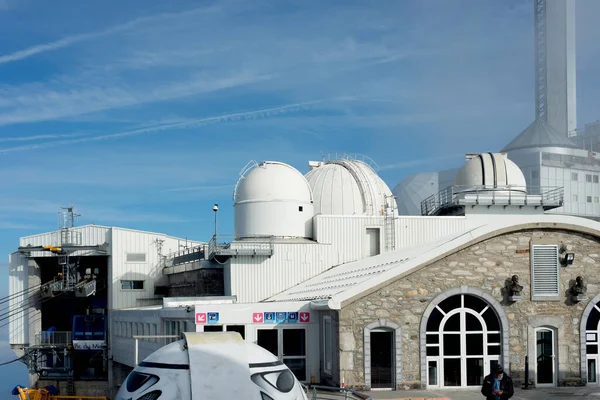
[143,113]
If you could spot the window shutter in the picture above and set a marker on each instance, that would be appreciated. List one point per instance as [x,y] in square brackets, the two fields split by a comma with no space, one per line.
[545,270]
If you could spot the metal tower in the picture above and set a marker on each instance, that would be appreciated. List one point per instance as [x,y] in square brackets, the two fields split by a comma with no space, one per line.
[555,75]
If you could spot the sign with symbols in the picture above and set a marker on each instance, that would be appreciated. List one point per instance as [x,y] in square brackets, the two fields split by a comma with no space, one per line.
[269,318]
[305,317]
[281,317]
[213,317]
[257,318]
[200,318]
[292,317]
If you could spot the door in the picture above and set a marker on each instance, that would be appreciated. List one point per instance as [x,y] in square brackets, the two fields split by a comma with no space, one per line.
[382,359]
[372,242]
[545,357]
[287,344]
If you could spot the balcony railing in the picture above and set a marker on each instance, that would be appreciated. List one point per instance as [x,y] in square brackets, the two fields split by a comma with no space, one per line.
[547,197]
[53,338]
[224,245]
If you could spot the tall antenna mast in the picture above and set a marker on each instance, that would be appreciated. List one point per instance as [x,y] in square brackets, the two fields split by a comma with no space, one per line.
[66,219]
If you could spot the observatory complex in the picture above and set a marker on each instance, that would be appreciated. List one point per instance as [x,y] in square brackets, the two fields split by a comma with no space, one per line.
[342,280]
[323,272]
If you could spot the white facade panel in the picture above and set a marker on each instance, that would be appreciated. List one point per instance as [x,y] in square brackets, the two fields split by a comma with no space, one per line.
[346,235]
[124,241]
[348,238]
[18,285]
[256,278]
[415,231]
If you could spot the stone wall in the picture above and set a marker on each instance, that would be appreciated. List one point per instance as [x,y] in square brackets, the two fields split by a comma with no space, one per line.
[485,266]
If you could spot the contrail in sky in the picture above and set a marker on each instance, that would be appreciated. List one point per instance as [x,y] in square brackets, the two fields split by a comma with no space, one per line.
[240,116]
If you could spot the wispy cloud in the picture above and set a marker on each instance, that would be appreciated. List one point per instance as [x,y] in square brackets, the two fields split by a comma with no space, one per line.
[198,188]
[40,137]
[239,116]
[70,40]
[419,162]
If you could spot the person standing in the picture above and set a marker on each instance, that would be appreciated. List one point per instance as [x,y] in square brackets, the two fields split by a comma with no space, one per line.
[497,385]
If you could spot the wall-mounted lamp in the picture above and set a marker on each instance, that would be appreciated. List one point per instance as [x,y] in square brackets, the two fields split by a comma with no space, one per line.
[569,258]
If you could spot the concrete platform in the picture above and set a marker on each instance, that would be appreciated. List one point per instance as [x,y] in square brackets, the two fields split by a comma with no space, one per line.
[472,394]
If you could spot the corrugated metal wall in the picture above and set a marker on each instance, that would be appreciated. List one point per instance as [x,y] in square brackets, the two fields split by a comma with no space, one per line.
[125,241]
[411,231]
[91,235]
[347,234]
[18,283]
[256,278]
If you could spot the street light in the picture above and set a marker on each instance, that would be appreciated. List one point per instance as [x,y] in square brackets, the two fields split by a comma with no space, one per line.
[216,209]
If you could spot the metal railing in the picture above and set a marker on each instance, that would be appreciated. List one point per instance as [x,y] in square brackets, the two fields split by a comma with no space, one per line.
[226,246]
[53,338]
[332,393]
[456,195]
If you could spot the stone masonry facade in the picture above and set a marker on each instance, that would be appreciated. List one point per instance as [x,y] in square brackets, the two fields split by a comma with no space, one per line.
[485,266]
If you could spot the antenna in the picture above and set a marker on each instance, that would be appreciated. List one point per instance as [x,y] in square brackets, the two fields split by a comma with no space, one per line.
[66,219]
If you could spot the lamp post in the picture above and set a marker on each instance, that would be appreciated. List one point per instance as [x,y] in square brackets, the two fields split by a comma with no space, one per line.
[216,210]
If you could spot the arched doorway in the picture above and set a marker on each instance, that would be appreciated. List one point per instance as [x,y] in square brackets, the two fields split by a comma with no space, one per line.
[463,340]
[592,334]
[383,354]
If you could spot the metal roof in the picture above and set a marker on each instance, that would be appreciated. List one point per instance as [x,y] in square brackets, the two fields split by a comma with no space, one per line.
[348,281]
[540,134]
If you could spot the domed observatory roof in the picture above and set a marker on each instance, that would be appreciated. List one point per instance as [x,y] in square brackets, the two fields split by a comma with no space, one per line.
[490,183]
[413,190]
[349,186]
[272,199]
[490,172]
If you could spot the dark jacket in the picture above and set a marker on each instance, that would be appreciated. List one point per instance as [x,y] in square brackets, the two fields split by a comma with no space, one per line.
[506,385]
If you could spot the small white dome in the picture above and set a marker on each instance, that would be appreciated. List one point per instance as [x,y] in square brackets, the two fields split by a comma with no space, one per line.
[272,199]
[272,180]
[348,186]
[490,171]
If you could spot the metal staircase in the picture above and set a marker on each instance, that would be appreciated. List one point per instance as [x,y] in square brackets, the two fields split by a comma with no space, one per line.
[70,385]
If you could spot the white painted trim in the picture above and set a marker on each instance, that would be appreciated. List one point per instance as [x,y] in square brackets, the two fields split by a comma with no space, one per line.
[553,331]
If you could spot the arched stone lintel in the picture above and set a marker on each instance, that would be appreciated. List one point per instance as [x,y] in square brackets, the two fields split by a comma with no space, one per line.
[494,304]
[386,324]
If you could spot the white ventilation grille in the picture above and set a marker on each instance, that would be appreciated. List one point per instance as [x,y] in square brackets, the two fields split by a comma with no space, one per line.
[136,257]
[545,270]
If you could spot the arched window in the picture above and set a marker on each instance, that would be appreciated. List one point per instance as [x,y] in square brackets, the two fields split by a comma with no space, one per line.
[592,332]
[463,341]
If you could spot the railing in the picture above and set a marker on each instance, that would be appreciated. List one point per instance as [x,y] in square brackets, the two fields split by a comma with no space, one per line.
[331,393]
[546,196]
[333,156]
[53,338]
[186,255]
[226,246]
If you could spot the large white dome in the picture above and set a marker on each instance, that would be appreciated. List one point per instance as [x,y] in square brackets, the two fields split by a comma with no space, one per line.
[348,186]
[490,171]
[413,190]
[272,199]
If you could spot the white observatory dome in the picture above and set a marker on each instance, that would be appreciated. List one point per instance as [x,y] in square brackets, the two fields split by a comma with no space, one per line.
[490,172]
[272,199]
[413,190]
[349,186]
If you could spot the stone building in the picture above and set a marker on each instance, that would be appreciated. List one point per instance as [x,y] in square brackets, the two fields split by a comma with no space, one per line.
[441,315]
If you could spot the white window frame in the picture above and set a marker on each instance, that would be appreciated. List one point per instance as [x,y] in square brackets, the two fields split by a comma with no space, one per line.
[135,261]
[548,262]
[327,346]
[132,289]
